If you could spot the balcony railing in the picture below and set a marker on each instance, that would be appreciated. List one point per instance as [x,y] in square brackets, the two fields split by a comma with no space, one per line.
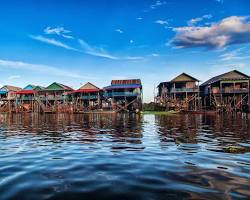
[235,90]
[176,90]
[121,94]
[28,98]
[52,98]
[87,97]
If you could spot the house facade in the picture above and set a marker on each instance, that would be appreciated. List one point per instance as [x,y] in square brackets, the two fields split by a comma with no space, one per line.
[55,98]
[87,98]
[25,100]
[181,93]
[7,92]
[7,97]
[123,95]
[226,92]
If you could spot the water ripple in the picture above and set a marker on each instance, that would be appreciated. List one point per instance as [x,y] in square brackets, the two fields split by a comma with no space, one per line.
[123,157]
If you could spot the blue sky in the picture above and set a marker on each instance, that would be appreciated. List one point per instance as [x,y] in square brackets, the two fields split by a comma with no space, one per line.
[75,41]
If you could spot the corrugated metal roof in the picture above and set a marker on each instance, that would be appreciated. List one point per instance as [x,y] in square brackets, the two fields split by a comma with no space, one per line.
[58,86]
[86,90]
[3,92]
[164,83]
[89,86]
[33,87]
[126,82]
[120,86]
[232,75]
[10,88]
[29,87]
[66,87]
[39,88]
[26,92]
[184,78]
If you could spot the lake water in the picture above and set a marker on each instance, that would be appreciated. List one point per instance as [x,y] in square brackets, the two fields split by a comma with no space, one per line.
[123,157]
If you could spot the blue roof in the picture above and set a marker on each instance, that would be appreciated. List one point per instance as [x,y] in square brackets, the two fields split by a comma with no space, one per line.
[29,87]
[123,86]
[3,92]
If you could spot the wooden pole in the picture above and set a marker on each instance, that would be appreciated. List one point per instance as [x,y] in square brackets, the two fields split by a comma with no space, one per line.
[199,100]
[89,101]
[174,93]
[220,94]
[248,88]
[210,98]
[98,99]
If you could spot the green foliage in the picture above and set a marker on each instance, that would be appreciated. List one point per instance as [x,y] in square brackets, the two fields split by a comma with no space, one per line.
[236,149]
[153,107]
[160,112]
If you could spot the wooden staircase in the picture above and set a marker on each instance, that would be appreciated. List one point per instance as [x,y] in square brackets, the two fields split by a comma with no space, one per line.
[43,107]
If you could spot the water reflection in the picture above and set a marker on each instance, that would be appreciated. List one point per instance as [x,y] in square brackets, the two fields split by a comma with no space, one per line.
[216,131]
[123,157]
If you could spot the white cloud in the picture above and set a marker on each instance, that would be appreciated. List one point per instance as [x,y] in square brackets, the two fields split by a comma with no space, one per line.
[207,16]
[231,30]
[222,68]
[194,21]
[139,18]
[14,77]
[158,4]
[131,41]
[68,36]
[119,30]
[239,65]
[132,58]
[155,54]
[168,27]
[85,48]
[99,52]
[45,69]
[233,55]
[58,31]
[161,22]
[52,42]
[94,51]
[219,1]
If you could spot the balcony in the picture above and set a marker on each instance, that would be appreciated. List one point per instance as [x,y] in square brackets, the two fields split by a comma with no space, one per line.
[121,94]
[180,90]
[235,90]
[88,97]
[52,98]
[27,98]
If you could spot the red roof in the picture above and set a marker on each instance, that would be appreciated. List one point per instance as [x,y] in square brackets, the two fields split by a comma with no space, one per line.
[86,90]
[26,92]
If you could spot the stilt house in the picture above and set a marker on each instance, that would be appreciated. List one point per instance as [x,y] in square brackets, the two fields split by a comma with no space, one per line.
[7,97]
[55,98]
[226,92]
[7,92]
[181,93]
[87,97]
[26,98]
[123,95]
